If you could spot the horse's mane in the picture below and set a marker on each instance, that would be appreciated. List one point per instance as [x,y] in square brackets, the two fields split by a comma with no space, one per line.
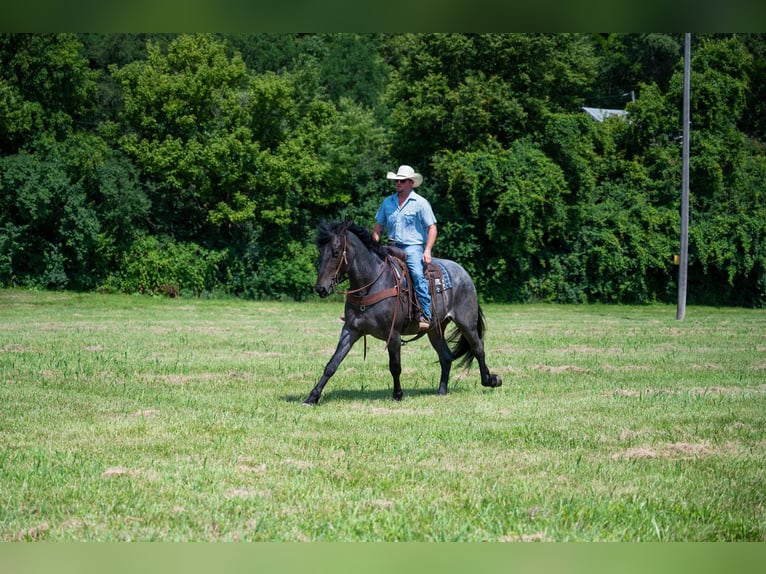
[327,230]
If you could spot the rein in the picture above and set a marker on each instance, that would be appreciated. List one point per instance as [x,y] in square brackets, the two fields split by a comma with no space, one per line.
[351,293]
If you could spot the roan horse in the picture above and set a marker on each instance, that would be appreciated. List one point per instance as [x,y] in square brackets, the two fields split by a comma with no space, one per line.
[378,304]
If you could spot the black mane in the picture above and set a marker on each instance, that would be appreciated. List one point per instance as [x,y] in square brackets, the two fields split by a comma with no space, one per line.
[327,230]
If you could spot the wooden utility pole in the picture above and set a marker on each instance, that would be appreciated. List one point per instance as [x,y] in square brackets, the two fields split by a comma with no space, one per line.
[684,257]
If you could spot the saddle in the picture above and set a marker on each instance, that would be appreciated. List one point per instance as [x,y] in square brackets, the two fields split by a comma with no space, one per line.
[403,287]
[434,275]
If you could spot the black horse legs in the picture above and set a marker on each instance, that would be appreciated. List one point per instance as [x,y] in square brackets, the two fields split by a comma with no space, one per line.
[439,343]
[473,336]
[487,379]
[346,341]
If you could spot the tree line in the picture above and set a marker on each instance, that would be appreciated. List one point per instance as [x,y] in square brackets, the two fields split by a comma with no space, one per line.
[201,164]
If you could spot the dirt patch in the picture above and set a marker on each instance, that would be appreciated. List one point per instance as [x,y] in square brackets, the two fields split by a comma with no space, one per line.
[625,393]
[379,503]
[247,493]
[248,464]
[560,369]
[181,379]
[636,453]
[691,450]
[35,533]
[586,350]
[682,450]
[146,413]
[12,348]
[119,471]
[240,493]
[707,367]
[627,368]
[692,391]
[536,537]
[299,464]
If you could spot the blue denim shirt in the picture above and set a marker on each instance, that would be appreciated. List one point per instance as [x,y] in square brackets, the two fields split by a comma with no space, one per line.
[408,224]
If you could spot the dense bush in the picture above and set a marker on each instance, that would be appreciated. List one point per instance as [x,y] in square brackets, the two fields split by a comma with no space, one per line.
[166,267]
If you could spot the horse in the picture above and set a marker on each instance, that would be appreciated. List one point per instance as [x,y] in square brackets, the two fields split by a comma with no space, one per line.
[378,303]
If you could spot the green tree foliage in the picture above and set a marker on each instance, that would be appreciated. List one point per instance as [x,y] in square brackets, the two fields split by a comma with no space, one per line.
[625,61]
[181,125]
[49,231]
[45,88]
[191,163]
[165,267]
[50,223]
[513,202]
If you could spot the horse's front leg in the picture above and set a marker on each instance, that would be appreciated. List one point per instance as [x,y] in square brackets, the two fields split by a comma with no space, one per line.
[395,364]
[346,341]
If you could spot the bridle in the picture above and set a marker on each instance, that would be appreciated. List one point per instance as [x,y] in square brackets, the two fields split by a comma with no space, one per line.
[344,260]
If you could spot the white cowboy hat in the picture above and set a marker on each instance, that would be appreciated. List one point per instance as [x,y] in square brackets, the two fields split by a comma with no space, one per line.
[406,172]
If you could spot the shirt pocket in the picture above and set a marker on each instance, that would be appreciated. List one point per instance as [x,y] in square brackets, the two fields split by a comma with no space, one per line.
[410,220]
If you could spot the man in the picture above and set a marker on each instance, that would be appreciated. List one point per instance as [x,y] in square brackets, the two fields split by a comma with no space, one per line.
[410,223]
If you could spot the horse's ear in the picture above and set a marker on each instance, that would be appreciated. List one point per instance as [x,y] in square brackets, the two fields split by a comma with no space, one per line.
[325,231]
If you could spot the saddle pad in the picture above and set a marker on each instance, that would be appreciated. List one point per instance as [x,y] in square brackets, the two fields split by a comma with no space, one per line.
[443,282]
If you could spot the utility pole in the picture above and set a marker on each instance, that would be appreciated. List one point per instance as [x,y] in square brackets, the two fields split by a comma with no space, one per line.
[684,257]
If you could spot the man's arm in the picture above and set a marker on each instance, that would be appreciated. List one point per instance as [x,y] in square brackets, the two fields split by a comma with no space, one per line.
[430,240]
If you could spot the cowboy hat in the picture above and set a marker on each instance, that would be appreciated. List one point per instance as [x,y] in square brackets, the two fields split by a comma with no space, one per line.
[406,172]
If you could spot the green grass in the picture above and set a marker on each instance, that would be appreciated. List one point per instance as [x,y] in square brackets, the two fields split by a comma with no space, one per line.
[133,418]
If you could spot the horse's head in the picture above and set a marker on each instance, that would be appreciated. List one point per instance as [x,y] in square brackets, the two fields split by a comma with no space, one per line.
[333,263]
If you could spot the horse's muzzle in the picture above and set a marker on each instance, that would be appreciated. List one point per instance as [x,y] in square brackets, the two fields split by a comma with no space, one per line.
[322,290]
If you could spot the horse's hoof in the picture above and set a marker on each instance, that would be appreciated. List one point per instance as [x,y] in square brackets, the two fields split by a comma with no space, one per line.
[398,397]
[309,402]
[493,382]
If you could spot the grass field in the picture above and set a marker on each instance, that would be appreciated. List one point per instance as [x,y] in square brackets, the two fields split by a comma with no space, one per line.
[135,418]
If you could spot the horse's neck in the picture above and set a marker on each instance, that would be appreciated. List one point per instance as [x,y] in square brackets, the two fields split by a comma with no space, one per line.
[364,267]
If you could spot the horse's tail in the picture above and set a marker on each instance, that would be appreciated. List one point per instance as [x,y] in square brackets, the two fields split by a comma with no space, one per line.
[461,349]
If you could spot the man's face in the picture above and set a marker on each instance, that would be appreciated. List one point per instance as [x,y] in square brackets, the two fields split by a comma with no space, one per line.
[403,185]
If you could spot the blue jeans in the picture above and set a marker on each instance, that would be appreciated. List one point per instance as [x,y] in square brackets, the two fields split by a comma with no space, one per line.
[419,281]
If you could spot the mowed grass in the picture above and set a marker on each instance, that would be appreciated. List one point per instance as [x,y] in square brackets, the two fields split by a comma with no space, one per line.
[135,418]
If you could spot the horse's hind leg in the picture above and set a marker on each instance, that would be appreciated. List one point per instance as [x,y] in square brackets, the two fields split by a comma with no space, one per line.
[487,379]
[476,343]
[445,358]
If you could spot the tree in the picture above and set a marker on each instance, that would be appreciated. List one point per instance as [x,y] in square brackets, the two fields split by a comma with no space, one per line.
[462,91]
[46,88]
[511,201]
[183,124]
